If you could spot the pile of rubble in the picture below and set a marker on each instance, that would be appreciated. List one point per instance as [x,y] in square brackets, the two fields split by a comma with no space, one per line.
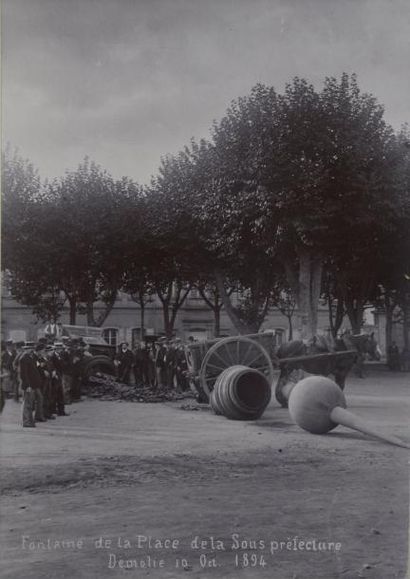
[106,387]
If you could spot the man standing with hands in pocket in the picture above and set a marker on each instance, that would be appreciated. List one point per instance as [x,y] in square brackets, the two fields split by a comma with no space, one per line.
[31,384]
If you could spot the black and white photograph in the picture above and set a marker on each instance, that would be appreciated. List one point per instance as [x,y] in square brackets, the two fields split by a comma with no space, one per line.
[205,289]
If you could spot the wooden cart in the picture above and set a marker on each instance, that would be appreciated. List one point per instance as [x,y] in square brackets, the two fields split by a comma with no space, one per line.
[208,359]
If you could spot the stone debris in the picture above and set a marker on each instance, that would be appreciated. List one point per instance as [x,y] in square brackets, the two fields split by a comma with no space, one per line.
[106,387]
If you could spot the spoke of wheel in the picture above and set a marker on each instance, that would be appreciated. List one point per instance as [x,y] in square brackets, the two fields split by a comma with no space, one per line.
[224,362]
[229,354]
[250,346]
[260,355]
[214,378]
[209,365]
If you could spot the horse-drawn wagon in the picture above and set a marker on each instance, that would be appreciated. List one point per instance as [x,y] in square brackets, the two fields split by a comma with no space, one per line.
[208,362]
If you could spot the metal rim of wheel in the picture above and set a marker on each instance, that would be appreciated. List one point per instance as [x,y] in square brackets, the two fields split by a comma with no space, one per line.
[236,350]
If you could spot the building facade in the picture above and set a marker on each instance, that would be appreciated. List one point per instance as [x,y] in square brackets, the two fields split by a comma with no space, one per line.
[194,319]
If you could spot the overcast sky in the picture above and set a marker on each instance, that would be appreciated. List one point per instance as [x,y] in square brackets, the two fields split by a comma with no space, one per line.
[127,81]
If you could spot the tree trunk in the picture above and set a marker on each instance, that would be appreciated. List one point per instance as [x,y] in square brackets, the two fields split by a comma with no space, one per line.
[73,311]
[355,312]
[290,331]
[103,315]
[215,306]
[310,276]
[167,321]
[355,301]
[406,325]
[90,313]
[142,315]
[337,320]
[240,326]
[217,321]
[316,270]
[180,296]
[170,308]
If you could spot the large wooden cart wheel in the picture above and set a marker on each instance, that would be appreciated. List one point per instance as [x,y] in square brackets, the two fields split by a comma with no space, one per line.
[230,352]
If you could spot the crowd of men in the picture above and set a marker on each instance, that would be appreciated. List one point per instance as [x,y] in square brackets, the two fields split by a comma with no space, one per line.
[47,375]
[160,364]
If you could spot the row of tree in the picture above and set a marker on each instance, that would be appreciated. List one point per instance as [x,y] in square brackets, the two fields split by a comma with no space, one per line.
[295,197]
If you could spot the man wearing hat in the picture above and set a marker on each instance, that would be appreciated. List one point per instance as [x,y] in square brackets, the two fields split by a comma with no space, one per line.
[170,364]
[16,367]
[66,377]
[139,370]
[56,363]
[124,361]
[7,360]
[160,362]
[76,359]
[31,384]
[181,366]
[44,368]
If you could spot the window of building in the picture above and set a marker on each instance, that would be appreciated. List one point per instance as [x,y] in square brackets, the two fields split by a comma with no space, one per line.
[110,335]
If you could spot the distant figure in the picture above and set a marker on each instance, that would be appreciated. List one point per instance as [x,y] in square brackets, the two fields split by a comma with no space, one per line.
[124,361]
[405,360]
[53,331]
[160,362]
[181,368]
[7,364]
[138,354]
[393,357]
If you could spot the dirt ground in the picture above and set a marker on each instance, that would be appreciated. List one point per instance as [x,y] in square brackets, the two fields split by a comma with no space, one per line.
[155,490]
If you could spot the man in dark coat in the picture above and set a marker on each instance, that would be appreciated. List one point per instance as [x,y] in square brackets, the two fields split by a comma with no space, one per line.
[124,361]
[170,364]
[31,384]
[76,360]
[393,357]
[45,368]
[150,357]
[7,360]
[16,368]
[181,367]
[160,363]
[57,379]
[147,365]
[65,357]
[138,364]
